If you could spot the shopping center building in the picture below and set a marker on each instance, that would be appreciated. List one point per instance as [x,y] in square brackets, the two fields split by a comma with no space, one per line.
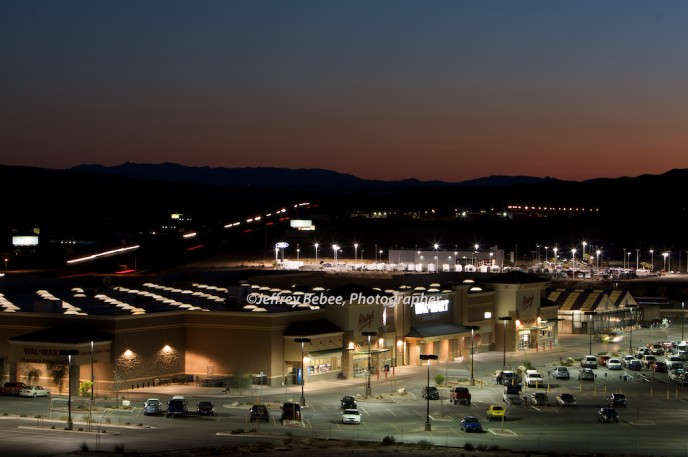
[125,333]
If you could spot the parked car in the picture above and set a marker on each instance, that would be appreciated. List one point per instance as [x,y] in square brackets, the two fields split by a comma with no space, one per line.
[614,363]
[431,393]
[34,391]
[259,413]
[534,379]
[659,367]
[460,395]
[152,407]
[561,373]
[351,416]
[602,360]
[496,412]
[589,361]
[625,360]
[586,374]
[539,399]
[641,351]
[471,424]
[616,400]
[635,365]
[648,360]
[348,402]
[177,407]
[608,415]
[13,388]
[506,377]
[205,408]
[565,399]
[677,374]
[290,411]
[512,394]
[674,361]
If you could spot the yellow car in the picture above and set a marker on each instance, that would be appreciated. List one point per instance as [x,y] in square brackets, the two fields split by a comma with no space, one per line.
[496,412]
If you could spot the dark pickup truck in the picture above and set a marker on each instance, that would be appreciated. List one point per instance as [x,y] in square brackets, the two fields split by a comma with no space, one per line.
[460,395]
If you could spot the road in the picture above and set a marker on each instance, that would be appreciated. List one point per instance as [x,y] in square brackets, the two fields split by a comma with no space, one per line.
[648,425]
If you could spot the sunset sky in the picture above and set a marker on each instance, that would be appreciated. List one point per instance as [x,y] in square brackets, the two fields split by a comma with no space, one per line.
[381,89]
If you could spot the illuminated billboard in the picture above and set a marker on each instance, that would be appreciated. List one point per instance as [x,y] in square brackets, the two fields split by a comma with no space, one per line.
[302,224]
[25,240]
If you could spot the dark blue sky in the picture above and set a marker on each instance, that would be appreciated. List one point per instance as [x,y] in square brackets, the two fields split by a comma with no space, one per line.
[448,90]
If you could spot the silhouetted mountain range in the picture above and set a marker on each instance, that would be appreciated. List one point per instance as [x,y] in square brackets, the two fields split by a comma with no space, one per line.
[285,178]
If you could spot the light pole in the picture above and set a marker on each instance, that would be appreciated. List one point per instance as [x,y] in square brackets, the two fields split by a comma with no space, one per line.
[573,263]
[630,342]
[93,383]
[303,374]
[652,259]
[504,319]
[316,253]
[682,307]
[546,249]
[472,328]
[669,257]
[368,389]
[664,254]
[428,357]
[298,252]
[555,257]
[637,259]
[591,319]
[355,252]
[335,248]
[585,243]
[69,354]
[624,258]
[597,253]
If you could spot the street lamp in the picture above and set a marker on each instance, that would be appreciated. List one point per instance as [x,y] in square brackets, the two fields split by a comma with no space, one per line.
[591,319]
[504,319]
[682,307]
[637,259]
[472,328]
[316,253]
[546,249]
[303,375]
[665,254]
[428,357]
[298,252]
[355,252]
[652,257]
[335,248]
[368,390]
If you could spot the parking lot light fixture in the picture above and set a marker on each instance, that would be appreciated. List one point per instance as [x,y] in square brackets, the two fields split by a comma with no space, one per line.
[504,319]
[428,357]
[368,389]
[472,328]
[303,374]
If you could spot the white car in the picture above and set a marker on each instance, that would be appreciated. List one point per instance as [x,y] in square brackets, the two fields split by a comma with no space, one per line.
[673,362]
[351,416]
[614,363]
[34,391]
[627,358]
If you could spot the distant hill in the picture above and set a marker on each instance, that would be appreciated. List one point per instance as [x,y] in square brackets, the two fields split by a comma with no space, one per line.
[286,178]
